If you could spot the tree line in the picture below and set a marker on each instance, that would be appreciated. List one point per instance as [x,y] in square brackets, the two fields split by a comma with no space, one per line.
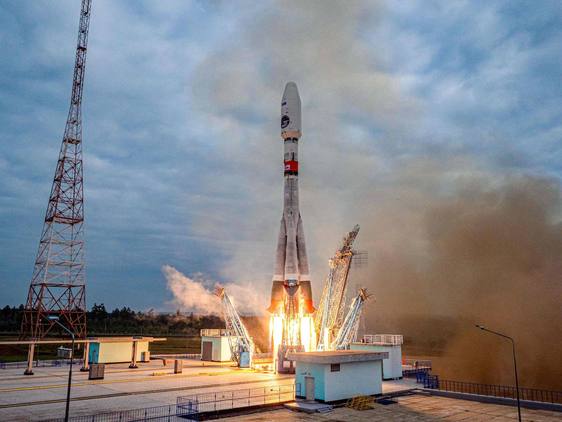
[125,321]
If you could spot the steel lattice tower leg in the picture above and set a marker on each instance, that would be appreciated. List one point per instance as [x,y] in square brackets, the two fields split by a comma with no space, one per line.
[58,283]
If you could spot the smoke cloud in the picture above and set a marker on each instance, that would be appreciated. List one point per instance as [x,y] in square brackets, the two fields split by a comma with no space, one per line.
[482,254]
[455,235]
[196,294]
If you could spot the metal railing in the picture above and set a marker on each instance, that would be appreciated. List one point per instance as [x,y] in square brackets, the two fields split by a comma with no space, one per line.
[383,339]
[159,413]
[504,391]
[415,373]
[214,332]
[416,363]
[423,376]
[209,403]
[192,406]
[39,363]
[190,356]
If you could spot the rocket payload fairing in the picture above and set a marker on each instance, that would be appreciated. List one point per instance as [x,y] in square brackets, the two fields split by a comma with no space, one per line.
[291,277]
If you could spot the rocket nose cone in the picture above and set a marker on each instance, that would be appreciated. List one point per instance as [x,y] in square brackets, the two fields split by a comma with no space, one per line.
[291,91]
[291,112]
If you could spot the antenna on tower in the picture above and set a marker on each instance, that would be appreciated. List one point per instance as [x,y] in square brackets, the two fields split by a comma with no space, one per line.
[58,282]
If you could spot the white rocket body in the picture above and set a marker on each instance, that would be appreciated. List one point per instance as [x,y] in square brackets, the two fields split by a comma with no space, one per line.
[291,275]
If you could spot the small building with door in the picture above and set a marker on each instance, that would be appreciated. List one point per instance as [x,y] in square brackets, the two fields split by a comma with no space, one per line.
[215,345]
[389,343]
[118,349]
[338,375]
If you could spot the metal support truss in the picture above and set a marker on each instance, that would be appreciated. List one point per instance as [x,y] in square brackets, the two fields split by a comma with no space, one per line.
[239,340]
[330,313]
[58,281]
[348,331]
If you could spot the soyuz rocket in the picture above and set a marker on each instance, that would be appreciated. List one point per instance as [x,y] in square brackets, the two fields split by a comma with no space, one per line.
[291,278]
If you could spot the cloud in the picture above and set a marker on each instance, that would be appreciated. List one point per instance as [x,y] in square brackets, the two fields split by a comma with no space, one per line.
[181,123]
[138,190]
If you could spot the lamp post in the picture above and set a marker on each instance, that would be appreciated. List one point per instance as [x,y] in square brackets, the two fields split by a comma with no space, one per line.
[514,364]
[55,319]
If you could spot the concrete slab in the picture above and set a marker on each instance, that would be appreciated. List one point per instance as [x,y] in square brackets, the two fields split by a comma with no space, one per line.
[41,396]
[308,406]
[410,408]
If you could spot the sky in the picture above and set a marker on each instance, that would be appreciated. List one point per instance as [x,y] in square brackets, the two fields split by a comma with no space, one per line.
[403,103]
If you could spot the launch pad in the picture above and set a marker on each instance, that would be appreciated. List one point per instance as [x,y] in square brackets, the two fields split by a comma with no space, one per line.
[42,396]
[153,385]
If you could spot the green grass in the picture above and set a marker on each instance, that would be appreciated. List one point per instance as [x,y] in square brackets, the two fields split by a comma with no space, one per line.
[177,345]
[9,353]
[173,344]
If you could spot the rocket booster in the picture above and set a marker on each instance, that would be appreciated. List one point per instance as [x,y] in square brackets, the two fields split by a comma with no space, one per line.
[291,276]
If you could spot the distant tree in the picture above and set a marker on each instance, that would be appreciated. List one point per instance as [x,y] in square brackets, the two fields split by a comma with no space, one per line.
[10,318]
[99,312]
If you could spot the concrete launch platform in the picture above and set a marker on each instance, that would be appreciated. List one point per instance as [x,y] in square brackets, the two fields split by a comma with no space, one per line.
[42,396]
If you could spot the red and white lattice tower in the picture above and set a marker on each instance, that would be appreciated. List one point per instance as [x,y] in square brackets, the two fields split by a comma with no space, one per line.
[58,283]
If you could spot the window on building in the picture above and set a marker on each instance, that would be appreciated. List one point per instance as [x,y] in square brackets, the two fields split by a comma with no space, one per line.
[335,367]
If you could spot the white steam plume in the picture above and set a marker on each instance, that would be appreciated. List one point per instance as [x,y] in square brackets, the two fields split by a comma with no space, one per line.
[196,295]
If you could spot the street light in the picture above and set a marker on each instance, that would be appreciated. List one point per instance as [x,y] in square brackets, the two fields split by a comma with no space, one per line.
[514,363]
[55,319]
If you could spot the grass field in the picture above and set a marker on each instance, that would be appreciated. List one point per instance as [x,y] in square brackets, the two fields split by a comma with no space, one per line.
[173,344]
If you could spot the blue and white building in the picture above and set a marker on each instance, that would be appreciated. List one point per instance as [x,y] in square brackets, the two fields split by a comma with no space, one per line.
[338,375]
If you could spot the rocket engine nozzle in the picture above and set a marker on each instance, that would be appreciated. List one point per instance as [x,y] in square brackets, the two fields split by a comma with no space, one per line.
[306,292]
[282,291]
[276,297]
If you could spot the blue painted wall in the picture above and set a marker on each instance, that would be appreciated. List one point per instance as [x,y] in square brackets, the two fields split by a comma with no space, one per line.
[353,379]
[311,370]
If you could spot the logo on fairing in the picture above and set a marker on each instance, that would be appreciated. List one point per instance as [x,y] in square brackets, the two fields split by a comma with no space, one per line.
[285,121]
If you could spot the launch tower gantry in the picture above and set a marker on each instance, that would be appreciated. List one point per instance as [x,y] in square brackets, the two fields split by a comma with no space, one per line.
[348,331]
[330,314]
[239,340]
[58,282]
